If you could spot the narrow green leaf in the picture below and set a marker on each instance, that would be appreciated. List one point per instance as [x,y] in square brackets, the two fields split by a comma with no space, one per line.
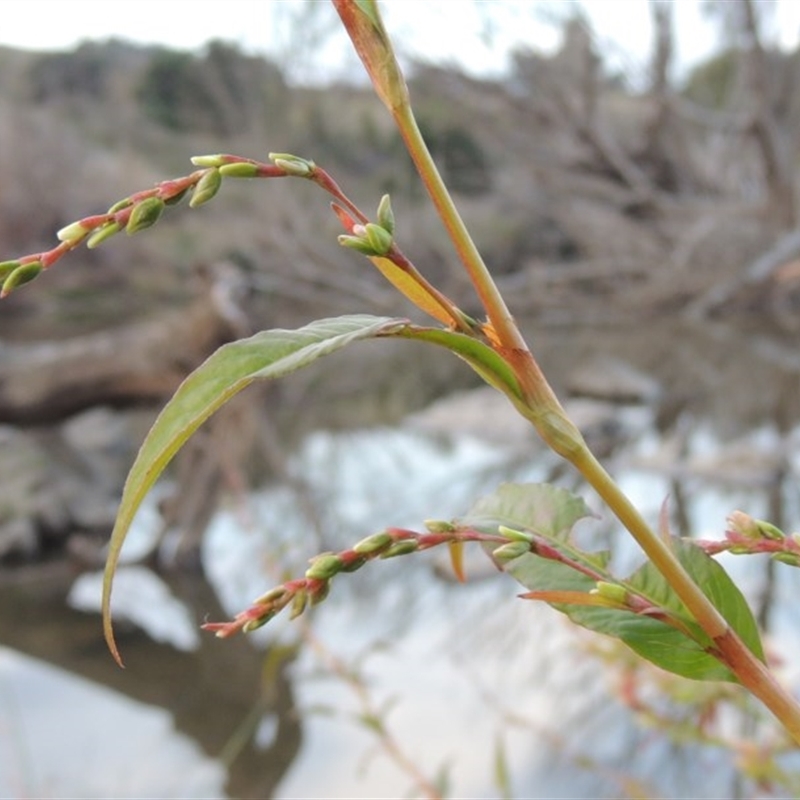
[270,354]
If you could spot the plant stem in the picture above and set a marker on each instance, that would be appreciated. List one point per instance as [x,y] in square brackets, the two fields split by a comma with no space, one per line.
[657,550]
[493,303]
[732,651]
[539,403]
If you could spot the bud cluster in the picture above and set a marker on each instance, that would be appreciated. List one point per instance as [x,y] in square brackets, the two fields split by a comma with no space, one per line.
[746,535]
[302,593]
[143,209]
[369,238]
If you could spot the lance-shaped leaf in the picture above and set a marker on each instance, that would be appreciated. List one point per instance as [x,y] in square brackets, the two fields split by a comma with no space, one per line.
[682,648]
[230,369]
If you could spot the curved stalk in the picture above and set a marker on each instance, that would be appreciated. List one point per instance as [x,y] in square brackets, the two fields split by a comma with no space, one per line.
[492,301]
[539,403]
[546,413]
[751,672]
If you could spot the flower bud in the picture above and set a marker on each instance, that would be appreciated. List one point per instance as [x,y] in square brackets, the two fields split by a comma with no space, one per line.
[611,591]
[386,215]
[72,233]
[7,267]
[144,215]
[372,544]
[215,160]
[299,603]
[792,559]
[270,596]
[439,526]
[102,233]
[119,205]
[745,525]
[206,188]
[21,275]
[380,239]
[293,165]
[515,536]
[239,169]
[356,243]
[770,531]
[255,624]
[401,548]
[510,551]
[324,567]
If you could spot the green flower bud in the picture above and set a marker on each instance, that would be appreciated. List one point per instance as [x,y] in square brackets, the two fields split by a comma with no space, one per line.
[380,239]
[401,548]
[612,591]
[144,215]
[72,233]
[293,165]
[356,243]
[119,205]
[770,531]
[510,551]
[515,536]
[216,160]
[324,567]
[206,188]
[299,603]
[439,526]
[745,525]
[21,275]
[792,559]
[270,596]
[102,233]
[239,169]
[255,624]
[386,215]
[7,267]
[372,544]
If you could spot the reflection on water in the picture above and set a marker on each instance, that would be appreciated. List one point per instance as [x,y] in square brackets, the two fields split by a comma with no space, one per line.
[65,736]
[460,675]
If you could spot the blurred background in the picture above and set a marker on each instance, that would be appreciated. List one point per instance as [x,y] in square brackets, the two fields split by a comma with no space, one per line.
[628,173]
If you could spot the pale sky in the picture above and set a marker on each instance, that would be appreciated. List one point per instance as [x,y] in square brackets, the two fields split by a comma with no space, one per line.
[476,34]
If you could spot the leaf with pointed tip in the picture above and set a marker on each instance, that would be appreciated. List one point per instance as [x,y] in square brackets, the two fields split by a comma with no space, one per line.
[270,354]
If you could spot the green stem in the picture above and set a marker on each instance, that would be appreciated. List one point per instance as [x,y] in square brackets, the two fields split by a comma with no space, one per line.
[560,434]
[538,403]
[657,550]
[750,671]
[493,303]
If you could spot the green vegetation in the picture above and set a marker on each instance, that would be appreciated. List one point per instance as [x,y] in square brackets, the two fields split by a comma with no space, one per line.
[679,609]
